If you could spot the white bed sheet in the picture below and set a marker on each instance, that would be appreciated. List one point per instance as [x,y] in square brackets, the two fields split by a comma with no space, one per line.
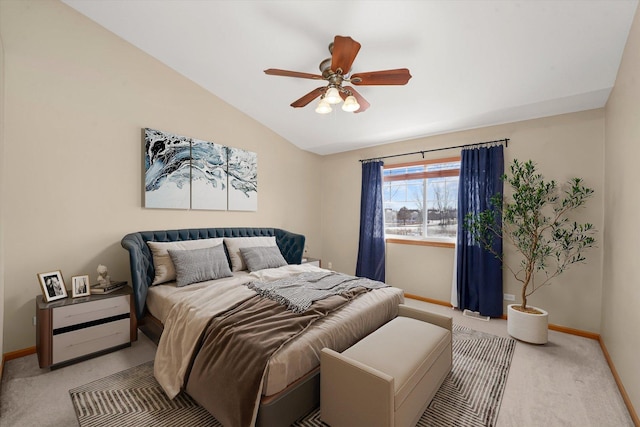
[338,331]
[161,298]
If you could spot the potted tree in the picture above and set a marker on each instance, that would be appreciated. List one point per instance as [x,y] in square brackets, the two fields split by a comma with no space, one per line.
[535,222]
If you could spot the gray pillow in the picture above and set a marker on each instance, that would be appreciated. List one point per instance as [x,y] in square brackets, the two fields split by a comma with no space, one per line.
[261,257]
[162,264]
[198,265]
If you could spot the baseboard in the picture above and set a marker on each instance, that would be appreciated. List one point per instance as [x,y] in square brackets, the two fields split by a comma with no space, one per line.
[558,328]
[578,332]
[429,300]
[623,391]
[18,354]
[15,355]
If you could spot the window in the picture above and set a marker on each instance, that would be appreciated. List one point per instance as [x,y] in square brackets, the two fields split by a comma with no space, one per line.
[421,200]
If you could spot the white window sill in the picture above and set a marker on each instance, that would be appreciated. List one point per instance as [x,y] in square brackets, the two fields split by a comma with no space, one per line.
[437,242]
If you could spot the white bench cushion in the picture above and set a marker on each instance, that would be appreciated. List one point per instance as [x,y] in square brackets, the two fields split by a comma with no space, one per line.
[386,351]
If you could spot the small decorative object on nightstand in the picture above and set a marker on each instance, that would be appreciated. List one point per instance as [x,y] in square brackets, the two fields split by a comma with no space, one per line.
[103,275]
[312,261]
[107,288]
[71,330]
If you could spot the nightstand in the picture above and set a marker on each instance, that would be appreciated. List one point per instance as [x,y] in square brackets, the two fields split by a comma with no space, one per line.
[312,261]
[75,329]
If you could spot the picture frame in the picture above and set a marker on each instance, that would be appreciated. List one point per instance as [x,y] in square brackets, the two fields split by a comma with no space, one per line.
[181,172]
[52,284]
[80,286]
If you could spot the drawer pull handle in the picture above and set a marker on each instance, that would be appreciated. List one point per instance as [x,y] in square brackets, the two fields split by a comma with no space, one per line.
[93,339]
[93,311]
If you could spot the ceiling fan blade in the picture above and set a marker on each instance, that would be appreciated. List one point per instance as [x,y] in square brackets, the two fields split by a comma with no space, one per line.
[308,97]
[363,102]
[286,73]
[344,52]
[399,76]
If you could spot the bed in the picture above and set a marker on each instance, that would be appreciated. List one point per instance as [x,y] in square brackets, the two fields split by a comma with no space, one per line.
[182,320]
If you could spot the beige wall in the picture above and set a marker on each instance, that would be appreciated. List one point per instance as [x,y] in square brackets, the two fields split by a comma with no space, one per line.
[563,146]
[76,98]
[2,203]
[621,283]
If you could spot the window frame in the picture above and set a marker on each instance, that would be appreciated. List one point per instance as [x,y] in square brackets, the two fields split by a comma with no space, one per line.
[422,241]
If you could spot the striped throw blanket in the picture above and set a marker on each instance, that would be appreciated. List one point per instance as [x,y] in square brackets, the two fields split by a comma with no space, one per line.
[299,292]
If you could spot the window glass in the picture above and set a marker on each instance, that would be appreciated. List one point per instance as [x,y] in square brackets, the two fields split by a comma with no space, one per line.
[410,191]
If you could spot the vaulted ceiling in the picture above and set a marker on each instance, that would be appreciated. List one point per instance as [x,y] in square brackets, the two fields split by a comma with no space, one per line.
[474,63]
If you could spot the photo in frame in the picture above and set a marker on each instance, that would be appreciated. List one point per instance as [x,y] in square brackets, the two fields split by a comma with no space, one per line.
[80,286]
[52,285]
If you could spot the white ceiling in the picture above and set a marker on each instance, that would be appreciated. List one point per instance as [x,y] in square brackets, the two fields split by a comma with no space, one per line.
[474,63]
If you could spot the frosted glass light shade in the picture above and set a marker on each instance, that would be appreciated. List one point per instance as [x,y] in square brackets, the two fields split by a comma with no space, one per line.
[350,104]
[332,96]
[323,107]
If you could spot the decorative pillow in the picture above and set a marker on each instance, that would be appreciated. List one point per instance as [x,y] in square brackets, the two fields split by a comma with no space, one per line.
[165,271]
[235,243]
[198,265]
[261,257]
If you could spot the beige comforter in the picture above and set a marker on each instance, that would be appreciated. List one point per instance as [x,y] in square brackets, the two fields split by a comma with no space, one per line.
[227,373]
[192,309]
[184,325]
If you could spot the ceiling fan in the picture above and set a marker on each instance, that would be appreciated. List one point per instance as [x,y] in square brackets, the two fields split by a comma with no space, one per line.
[335,71]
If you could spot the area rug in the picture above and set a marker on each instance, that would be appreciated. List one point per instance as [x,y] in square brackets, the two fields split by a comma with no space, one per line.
[470,395]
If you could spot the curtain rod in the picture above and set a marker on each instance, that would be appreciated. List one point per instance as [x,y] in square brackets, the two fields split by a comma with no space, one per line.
[505,140]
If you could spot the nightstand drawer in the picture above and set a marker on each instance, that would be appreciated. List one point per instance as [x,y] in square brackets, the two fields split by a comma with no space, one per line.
[82,313]
[71,345]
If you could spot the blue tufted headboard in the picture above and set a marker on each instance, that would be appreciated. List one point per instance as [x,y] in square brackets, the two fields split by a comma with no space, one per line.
[141,261]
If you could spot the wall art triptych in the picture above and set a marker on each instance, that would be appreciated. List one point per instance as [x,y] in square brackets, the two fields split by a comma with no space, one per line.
[188,173]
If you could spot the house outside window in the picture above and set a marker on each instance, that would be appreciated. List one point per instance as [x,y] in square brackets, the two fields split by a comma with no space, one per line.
[421,200]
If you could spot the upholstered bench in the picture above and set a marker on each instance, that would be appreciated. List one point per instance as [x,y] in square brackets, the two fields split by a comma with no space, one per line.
[389,377]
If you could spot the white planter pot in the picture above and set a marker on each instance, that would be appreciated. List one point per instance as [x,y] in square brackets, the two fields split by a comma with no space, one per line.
[527,327]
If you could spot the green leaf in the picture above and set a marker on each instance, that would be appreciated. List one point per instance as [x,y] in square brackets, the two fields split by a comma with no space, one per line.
[536,221]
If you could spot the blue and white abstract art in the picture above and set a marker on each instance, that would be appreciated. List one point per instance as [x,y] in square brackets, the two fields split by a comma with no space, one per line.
[167,177]
[187,173]
[243,180]
[208,175]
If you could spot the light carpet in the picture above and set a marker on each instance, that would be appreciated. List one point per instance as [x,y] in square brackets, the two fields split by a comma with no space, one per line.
[470,395]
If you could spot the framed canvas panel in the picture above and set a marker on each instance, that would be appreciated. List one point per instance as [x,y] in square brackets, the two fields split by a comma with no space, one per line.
[167,170]
[52,285]
[208,175]
[243,180]
[80,286]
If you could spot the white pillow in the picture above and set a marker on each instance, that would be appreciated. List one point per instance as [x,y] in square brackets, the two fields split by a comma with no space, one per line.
[165,270]
[235,243]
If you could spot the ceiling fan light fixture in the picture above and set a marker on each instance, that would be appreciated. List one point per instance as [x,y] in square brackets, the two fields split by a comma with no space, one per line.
[333,96]
[335,71]
[350,104]
[323,107]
